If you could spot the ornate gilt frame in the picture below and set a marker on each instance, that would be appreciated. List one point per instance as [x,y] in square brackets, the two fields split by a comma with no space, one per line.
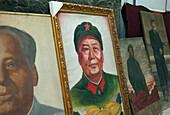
[84,9]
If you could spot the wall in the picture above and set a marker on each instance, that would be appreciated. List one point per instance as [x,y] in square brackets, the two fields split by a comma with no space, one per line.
[41,6]
[155,5]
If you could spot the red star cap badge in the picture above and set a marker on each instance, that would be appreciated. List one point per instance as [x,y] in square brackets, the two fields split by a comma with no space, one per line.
[87,26]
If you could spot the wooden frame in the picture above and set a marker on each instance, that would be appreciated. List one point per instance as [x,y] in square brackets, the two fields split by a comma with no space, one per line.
[62,53]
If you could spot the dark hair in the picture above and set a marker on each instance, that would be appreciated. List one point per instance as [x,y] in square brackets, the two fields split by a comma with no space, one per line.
[152,20]
[129,46]
[27,42]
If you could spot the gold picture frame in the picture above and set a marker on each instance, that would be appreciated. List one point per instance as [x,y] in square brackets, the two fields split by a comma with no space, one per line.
[79,13]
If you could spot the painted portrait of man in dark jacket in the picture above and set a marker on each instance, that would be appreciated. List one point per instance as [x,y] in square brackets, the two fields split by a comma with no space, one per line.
[158,52]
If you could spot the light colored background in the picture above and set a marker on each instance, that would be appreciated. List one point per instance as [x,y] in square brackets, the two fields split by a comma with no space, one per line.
[155,5]
[68,24]
[159,21]
[48,91]
[145,18]
[140,55]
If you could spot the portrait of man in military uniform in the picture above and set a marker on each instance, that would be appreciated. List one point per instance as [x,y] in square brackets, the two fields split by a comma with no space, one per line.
[96,86]
[139,77]
[90,61]
[135,74]
[158,50]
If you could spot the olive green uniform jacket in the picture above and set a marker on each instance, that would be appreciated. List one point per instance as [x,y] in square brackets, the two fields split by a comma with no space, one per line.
[85,93]
[136,76]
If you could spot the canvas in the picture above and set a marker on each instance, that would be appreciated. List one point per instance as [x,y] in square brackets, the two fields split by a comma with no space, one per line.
[89,59]
[158,50]
[43,89]
[140,80]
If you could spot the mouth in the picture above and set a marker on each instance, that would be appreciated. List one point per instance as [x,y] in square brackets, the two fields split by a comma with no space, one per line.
[93,65]
[5,94]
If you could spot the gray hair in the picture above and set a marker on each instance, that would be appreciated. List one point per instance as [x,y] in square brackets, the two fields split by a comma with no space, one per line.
[27,42]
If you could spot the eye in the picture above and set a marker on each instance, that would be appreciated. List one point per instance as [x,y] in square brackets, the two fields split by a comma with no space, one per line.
[95,48]
[85,49]
[11,65]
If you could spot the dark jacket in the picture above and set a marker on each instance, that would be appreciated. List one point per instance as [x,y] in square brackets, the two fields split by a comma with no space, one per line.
[136,76]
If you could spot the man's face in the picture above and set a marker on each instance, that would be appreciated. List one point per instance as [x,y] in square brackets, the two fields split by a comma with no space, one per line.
[90,56]
[16,77]
[153,26]
[131,52]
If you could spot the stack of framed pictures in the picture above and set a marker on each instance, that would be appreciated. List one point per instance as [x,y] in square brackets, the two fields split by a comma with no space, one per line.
[73,60]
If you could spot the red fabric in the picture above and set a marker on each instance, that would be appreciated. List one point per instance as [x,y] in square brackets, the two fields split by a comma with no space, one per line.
[133,25]
[93,88]
[166,16]
[131,16]
[141,101]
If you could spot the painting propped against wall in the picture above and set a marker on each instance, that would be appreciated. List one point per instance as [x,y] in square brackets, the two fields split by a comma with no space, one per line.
[89,59]
[139,77]
[30,81]
[158,50]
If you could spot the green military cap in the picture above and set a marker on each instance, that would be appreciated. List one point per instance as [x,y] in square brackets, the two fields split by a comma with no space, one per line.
[84,29]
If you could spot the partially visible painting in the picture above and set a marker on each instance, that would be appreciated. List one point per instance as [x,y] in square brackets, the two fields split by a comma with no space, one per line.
[29,79]
[158,50]
[140,81]
[87,39]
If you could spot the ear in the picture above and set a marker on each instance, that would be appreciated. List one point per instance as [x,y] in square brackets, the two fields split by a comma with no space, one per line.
[79,57]
[35,75]
[102,57]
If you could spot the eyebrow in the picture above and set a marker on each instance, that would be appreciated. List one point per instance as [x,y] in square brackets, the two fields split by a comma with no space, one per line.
[94,43]
[85,45]
[8,58]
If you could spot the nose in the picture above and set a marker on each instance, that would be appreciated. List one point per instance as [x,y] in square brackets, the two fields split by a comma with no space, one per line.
[91,54]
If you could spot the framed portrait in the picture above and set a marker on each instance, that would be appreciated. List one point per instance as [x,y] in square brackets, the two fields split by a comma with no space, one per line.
[33,38]
[89,60]
[158,50]
[140,81]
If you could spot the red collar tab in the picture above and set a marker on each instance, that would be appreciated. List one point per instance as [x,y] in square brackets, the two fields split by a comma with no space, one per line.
[87,26]
[102,84]
[93,88]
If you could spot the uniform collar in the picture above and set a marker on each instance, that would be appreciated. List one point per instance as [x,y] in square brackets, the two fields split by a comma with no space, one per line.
[93,87]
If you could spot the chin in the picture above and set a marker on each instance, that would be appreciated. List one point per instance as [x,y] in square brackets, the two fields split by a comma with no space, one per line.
[8,108]
[94,73]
